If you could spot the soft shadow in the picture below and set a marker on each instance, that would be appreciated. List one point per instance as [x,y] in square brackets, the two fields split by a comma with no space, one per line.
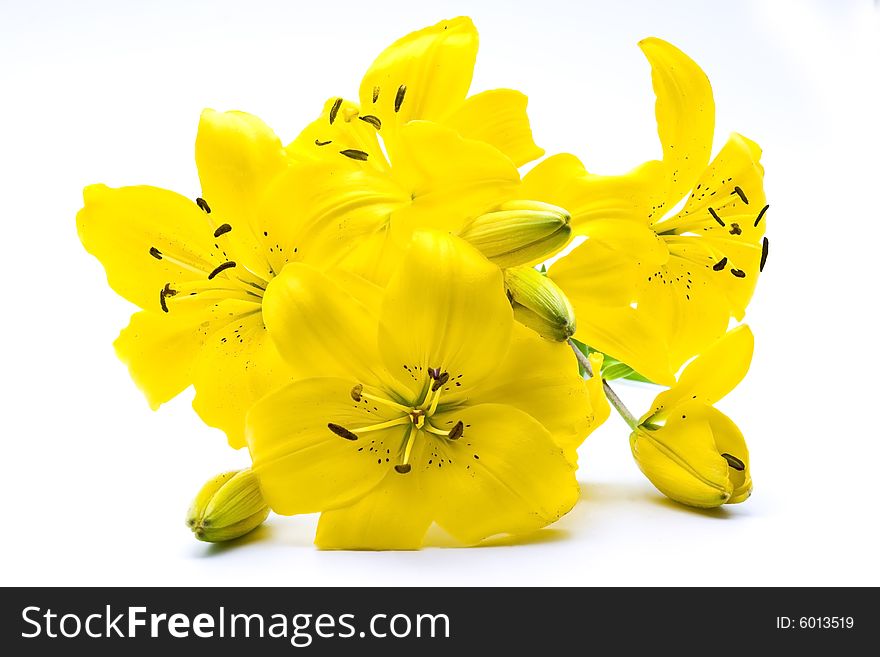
[642,493]
[720,512]
[260,534]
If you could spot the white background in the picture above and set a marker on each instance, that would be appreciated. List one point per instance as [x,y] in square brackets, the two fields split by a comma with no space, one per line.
[94,485]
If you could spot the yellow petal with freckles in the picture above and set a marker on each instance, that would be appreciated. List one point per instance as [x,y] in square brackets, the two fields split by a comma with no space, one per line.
[445,308]
[685,112]
[305,467]
[319,328]
[393,516]
[562,180]
[711,375]
[505,475]
[159,350]
[498,117]
[237,365]
[135,232]
[681,301]
[541,378]
[317,212]
[682,461]
[424,75]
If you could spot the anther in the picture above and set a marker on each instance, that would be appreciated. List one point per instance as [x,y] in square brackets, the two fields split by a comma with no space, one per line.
[718,266]
[398,99]
[342,432]
[765,249]
[456,431]
[163,294]
[375,94]
[738,190]
[434,372]
[318,142]
[203,204]
[739,273]
[355,154]
[734,462]
[735,229]
[226,265]
[761,215]
[156,253]
[222,230]
[356,392]
[374,121]
[335,109]
[403,468]
[716,217]
[440,381]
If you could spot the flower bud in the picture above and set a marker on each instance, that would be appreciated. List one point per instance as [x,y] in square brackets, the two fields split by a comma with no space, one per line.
[539,303]
[519,232]
[228,506]
[698,458]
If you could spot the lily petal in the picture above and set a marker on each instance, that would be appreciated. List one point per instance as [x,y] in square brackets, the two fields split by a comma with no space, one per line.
[685,112]
[305,467]
[393,516]
[681,301]
[562,180]
[237,156]
[451,179]
[504,475]
[445,308]
[142,235]
[424,75]
[498,117]
[160,351]
[711,375]
[319,328]
[540,378]
[237,365]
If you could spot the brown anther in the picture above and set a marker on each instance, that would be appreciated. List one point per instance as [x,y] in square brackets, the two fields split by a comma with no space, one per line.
[456,431]
[342,432]
[403,468]
[356,392]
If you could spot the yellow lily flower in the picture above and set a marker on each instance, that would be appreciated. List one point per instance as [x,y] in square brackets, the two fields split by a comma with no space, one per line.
[199,269]
[440,408]
[425,75]
[650,289]
[692,452]
[435,157]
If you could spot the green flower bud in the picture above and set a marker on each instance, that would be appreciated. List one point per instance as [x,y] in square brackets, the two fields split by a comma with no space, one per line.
[228,506]
[539,303]
[519,232]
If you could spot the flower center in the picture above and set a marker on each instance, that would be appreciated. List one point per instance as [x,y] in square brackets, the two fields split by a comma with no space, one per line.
[225,277]
[416,418]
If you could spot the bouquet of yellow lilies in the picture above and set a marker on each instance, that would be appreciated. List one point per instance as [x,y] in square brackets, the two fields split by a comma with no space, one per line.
[366,308]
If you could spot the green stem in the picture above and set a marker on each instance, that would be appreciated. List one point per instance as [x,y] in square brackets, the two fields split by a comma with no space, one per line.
[613,399]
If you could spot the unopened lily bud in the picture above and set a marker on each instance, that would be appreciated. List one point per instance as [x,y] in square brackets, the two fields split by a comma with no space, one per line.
[698,458]
[539,303]
[519,232]
[228,506]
